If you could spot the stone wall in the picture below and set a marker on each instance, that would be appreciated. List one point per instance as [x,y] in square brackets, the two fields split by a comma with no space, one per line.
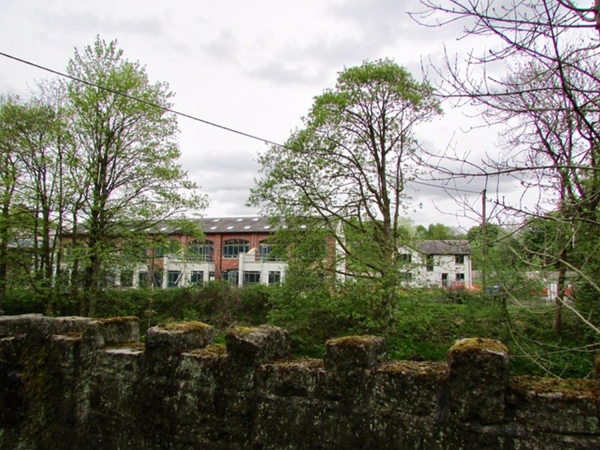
[73,383]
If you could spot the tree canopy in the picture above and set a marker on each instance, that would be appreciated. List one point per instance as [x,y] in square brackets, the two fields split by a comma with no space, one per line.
[348,166]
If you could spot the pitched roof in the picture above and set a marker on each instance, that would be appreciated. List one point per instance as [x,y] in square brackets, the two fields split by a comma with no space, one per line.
[445,247]
[235,225]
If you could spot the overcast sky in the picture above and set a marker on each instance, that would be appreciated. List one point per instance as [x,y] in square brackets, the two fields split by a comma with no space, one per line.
[253,66]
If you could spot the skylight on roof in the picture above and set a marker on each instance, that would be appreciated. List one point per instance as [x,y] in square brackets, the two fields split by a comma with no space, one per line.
[255,219]
[266,227]
[213,228]
[216,220]
[247,227]
[230,228]
[163,228]
[239,220]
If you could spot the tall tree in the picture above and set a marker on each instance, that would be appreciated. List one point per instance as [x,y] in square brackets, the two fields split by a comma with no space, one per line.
[127,151]
[348,167]
[549,102]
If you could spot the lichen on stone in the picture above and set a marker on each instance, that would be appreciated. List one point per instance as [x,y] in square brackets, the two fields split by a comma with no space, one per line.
[213,351]
[490,345]
[119,319]
[566,388]
[183,326]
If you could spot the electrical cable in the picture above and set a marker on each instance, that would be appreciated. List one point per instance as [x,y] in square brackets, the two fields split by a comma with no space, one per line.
[188,116]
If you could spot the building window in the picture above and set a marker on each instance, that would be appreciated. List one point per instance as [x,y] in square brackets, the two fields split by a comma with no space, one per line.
[197,277]
[266,253]
[201,251]
[251,278]
[157,279]
[143,279]
[406,258]
[445,280]
[407,277]
[169,248]
[274,277]
[173,278]
[429,261]
[459,259]
[460,277]
[211,276]
[232,276]
[233,247]
[126,278]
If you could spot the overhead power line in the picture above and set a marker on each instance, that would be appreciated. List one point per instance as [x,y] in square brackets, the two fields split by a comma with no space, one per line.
[182,114]
[145,102]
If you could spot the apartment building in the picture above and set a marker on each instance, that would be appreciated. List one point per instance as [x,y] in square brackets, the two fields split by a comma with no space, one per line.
[235,249]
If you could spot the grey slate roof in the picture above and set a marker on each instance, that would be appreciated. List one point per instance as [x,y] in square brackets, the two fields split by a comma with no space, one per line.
[454,247]
[235,225]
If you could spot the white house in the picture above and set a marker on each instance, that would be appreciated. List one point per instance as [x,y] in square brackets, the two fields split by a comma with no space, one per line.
[442,263]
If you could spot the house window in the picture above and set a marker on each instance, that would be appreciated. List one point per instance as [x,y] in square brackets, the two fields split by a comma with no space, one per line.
[460,277]
[200,251]
[157,279]
[251,278]
[406,258]
[274,277]
[459,259]
[197,277]
[211,276]
[173,278]
[407,277]
[429,261]
[445,280]
[233,247]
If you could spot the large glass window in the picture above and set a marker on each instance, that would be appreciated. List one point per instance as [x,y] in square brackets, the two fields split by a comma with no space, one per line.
[126,277]
[197,277]
[201,251]
[274,277]
[169,248]
[251,278]
[143,279]
[231,276]
[233,247]
[173,278]
[157,279]
[267,252]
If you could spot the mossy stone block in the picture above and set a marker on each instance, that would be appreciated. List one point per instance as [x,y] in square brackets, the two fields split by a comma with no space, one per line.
[354,353]
[177,338]
[478,380]
[257,345]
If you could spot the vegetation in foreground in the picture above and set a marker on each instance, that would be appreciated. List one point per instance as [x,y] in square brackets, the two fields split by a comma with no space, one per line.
[427,322]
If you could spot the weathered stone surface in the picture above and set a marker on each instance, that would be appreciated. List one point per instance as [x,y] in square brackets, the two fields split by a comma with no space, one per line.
[257,345]
[353,353]
[63,387]
[177,338]
[478,380]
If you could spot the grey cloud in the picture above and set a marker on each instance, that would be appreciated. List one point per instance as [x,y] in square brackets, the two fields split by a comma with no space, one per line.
[85,21]
[223,48]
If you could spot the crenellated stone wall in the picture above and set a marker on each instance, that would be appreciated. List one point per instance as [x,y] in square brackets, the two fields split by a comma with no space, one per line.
[76,383]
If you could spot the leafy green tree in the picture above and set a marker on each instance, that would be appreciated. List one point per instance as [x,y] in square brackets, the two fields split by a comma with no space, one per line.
[348,167]
[126,152]
[437,231]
